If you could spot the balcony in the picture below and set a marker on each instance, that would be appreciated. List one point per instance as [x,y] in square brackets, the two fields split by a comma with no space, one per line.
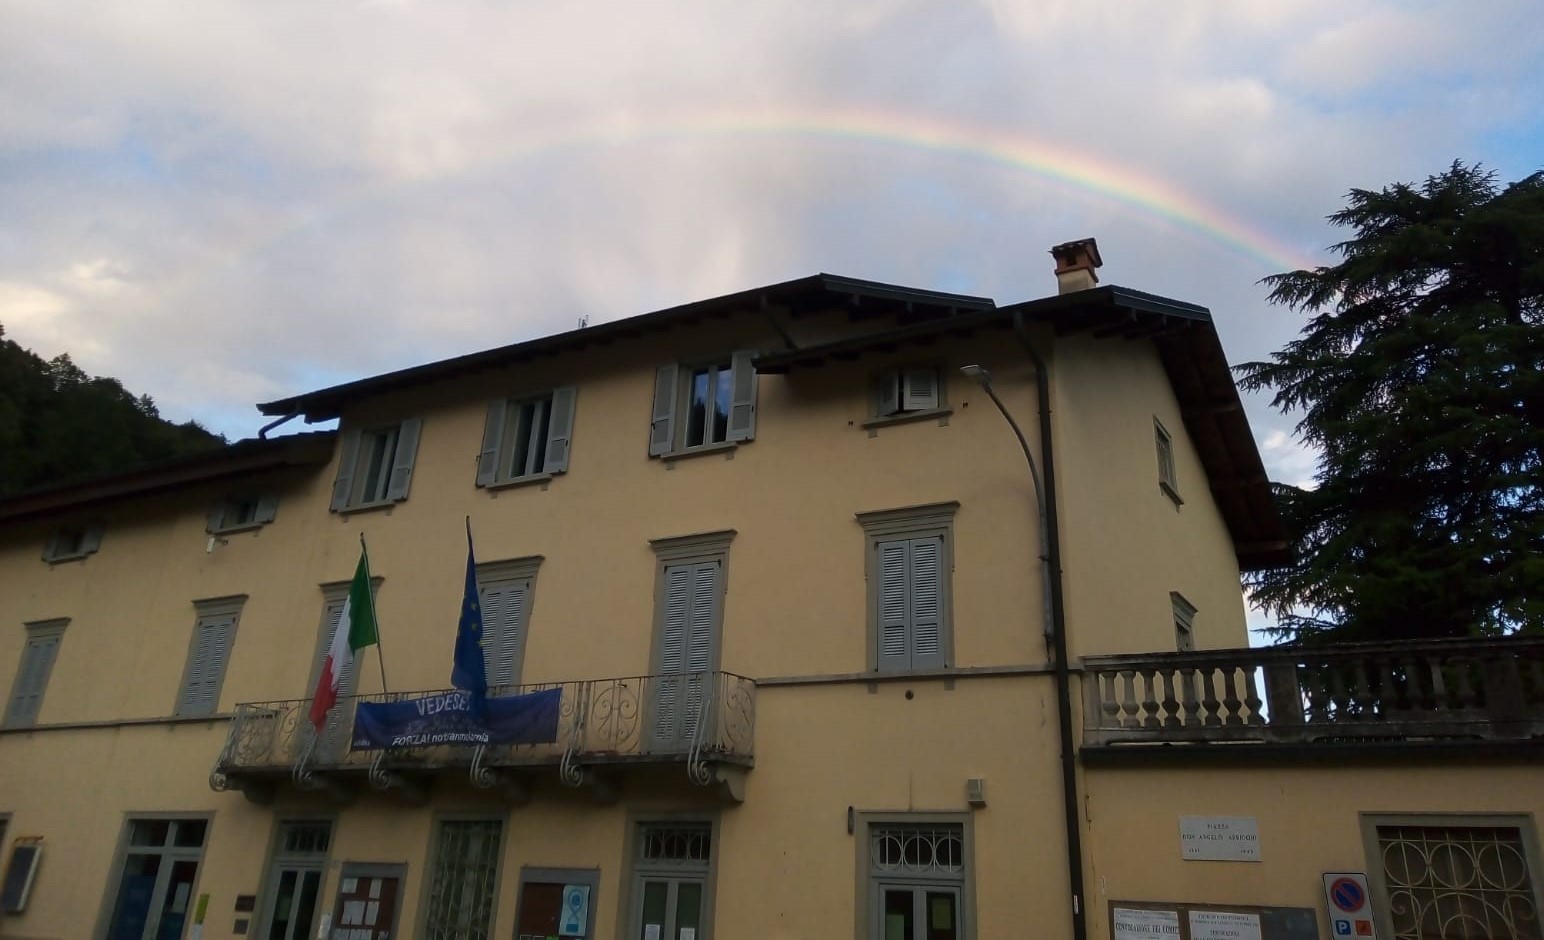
[699,723]
[1382,697]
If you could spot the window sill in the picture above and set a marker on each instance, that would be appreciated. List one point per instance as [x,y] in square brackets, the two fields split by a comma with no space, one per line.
[906,417]
[727,448]
[65,559]
[1170,492]
[542,478]
[385,504]
[236,529]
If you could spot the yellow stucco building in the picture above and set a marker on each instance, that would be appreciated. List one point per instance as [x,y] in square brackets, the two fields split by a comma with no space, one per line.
[832,658]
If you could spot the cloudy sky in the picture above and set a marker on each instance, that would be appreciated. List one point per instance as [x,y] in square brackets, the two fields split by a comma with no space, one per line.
[228,202]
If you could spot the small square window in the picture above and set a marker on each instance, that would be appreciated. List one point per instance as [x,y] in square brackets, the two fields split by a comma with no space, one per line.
[1167,482]
[698,406]
[375,466]
[908,391]
[71,543]
[242,511]
[526,438]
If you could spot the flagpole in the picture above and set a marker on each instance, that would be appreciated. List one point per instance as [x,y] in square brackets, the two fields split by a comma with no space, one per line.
[370,588]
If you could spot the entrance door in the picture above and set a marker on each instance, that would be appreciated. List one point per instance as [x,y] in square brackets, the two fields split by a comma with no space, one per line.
[688,648]
[293,911]
[295,879]
[671,908]
[918,912]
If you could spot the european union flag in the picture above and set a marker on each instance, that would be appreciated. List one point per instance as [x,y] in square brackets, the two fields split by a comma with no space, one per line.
[469,671]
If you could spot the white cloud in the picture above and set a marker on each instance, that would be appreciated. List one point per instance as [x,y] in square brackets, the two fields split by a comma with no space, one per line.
[241,190]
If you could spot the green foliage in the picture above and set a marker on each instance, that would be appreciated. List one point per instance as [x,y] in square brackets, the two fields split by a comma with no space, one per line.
[1420,380]
[59,424]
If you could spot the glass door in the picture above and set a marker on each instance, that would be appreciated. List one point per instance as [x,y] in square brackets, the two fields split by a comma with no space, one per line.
[918,912]
[155,887]
[670,909]
[294,902]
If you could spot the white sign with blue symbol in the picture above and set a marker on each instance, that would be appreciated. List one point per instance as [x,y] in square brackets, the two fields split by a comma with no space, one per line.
[575,918]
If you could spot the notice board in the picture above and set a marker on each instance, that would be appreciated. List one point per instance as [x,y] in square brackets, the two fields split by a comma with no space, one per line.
[1182,920]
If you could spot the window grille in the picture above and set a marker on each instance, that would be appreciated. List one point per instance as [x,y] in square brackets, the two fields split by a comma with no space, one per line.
[466,863]
[936,852]
[673,846]
[1458,882]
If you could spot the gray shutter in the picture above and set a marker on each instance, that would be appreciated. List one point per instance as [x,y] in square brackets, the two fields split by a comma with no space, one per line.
[215,517]
[927,615]
[742,408]
[889,394]
[662,428]
[206,665]
[921,389]
[91,539]
[348,456]
[51,550]
[503,613]
[669,683]
[267,509]
[699,642]
[36,663]
[893,607]
[402,462]
[493,439]
[560,429]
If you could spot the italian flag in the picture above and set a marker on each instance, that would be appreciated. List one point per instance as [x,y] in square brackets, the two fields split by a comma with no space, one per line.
[355,631]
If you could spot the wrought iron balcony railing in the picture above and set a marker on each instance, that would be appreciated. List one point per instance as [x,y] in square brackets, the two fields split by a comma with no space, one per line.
[699,719]
[1442,690]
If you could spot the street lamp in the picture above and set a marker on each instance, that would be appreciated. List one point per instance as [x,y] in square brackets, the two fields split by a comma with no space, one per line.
[981,375]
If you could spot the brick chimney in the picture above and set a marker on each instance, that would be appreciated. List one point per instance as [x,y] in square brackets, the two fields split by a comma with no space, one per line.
[1075,264]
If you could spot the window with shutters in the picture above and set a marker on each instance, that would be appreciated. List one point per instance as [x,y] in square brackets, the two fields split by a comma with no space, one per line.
[1184,622]
[526,439]
[911,392]
[37,663]
[703,405]
[688,624]
[504,592]
[1168,484]
[909,565]
[72,543]
[1435,877]
[242,511]
[375,466]
[463,879]
[214,630]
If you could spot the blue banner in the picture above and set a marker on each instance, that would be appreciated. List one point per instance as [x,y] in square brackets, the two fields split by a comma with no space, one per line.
[450,718]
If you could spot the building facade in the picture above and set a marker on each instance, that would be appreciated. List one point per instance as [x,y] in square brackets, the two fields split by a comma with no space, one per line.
[787,566]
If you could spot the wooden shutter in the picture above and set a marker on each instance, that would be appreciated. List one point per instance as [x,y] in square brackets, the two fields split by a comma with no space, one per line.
[402,460]
[37,662]
[207,657]
[927,614]
[267,509]
[348,457]
[662,428]
[560,429]
[889,394]
[892,607]
[492,443]
[920,391]
[504,606]
[742,408]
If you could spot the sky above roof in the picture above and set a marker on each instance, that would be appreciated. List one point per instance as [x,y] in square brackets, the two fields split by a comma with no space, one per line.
[228,202]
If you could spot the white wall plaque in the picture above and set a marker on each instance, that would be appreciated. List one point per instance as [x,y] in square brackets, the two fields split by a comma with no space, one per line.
[1136,924]
[1224,925]
[1219,838]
